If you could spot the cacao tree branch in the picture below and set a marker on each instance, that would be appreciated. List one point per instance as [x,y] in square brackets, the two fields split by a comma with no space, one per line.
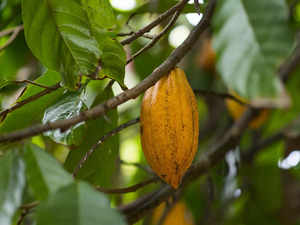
[15,31]
[221,95]
[99,110]
[153,24]
[101,140]
[197,6]
[157,37]
[33,83]
[32,98]
[138,165]
[128,189]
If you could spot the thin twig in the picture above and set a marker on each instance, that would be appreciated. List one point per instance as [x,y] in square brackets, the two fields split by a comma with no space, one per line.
[33,83]
[28,100]
[138,165]
[25,210]
[130,189]
[10,30]
[15,31]
[197,6]
[101,140]
[221,95]
[133,33]
[157,37]
[250,153]
[132,93]
[153,24]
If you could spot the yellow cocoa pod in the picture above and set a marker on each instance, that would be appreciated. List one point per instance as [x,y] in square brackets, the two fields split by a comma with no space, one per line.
[169,127]
[236,110]
[178,215]
[207,56]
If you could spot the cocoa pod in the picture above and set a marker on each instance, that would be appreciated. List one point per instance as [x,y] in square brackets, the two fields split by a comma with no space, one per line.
[169,127]
[178,215]
[236,110]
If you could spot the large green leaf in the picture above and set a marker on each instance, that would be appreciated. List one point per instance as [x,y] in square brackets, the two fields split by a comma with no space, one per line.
[100,13]
[68,106]
[77,204]
[103,22]
[252,38]
[12,183]
[58,33]
[100,166]
[32,112]
[44,173]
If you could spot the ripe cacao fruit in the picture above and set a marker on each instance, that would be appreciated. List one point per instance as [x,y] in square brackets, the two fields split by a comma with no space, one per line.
[178,215]
[169,126]
[207,56]
[236,110]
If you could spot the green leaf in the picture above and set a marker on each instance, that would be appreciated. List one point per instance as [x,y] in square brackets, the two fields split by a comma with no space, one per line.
[58,33]
[44,173]
[77,204]
[100,166]
[69,105]
[113,60]
[103,22]
[26,116]
[100,13]
[12,184]
[251,43]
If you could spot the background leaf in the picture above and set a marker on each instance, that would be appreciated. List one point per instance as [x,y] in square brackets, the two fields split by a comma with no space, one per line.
[77,204]
[12,184]
[44,173]
[251,43]
[58,33]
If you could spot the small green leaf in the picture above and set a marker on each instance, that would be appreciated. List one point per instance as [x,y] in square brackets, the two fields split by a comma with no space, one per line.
[26,116]
[100,166]
[69,105]
[58,33]
[12,184]
[44,173]
[77,204]
[251,44]
[113,60]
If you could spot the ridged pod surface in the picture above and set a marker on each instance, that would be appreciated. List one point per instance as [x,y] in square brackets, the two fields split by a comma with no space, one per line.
[169,126]
[236,110]
[178,215]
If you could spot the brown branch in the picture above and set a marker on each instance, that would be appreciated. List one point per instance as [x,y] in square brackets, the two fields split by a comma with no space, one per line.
[129,189]
[132,93]
[138,165]
[157,37]
[288,67]
[250,153]
[133,33]
[33,83]
[15,31]
[28,100]
[221,95]
[101,140]
[197,6]
[153,24]
[25,210]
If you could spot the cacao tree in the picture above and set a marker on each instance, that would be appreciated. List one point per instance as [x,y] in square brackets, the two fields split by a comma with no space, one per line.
[149,112]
